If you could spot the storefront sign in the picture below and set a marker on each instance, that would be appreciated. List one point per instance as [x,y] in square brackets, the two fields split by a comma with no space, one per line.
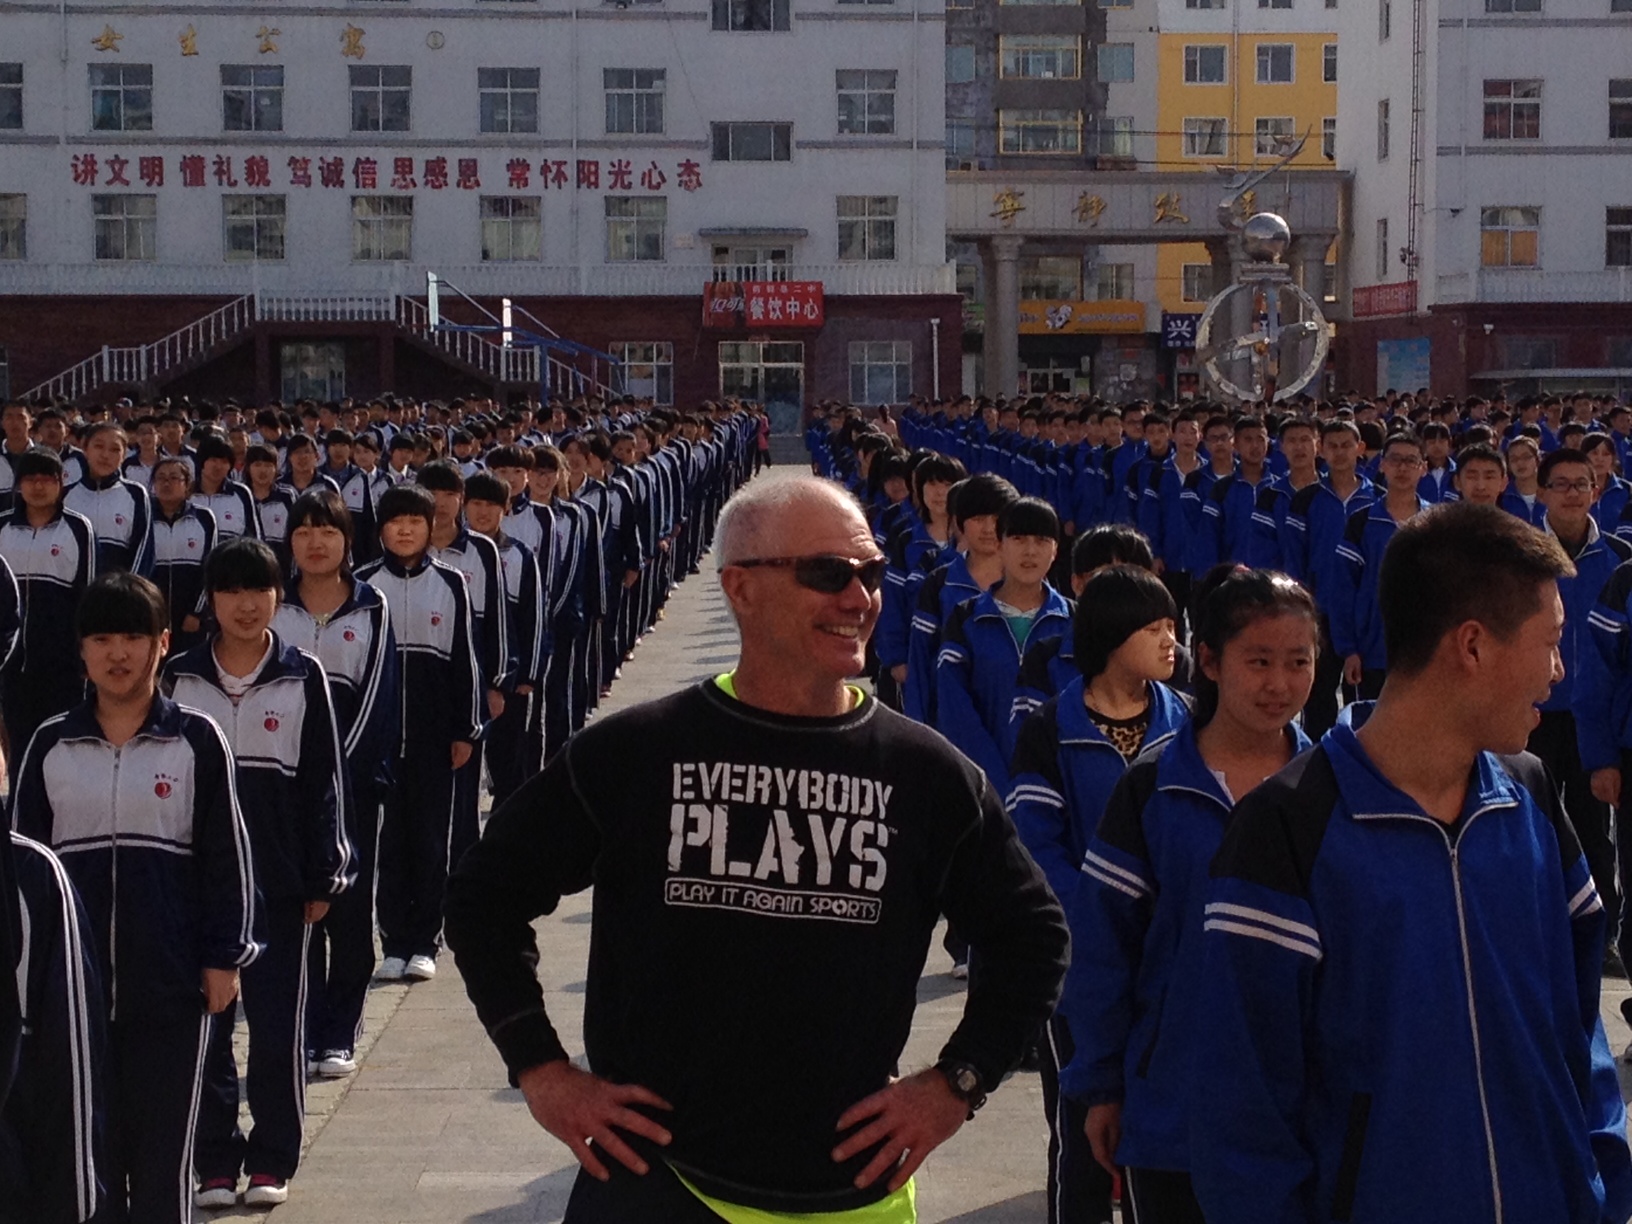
[763,304]
[1081,318]
[1179,330]
[1371,301]
[620,174]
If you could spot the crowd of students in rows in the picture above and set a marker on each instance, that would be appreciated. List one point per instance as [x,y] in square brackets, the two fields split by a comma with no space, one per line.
[1223,568]
[253,679]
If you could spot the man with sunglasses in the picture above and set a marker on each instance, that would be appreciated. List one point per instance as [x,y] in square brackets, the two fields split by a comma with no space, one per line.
[771,850]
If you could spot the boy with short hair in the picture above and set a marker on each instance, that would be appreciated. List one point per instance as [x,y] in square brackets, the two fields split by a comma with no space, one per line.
[1481,475]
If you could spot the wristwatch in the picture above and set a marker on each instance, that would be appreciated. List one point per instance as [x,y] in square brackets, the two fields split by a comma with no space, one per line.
[964,1081]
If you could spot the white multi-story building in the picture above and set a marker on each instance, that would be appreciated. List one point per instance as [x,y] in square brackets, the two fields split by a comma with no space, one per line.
[297,172]
[1491,145]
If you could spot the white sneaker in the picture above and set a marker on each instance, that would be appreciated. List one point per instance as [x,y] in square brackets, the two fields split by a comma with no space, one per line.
[266,1192]
[420,968]
[391,969]
[960,971]
[336,1064]
[212,1195]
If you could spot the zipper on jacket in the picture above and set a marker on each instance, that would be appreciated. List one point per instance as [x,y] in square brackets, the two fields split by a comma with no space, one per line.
[1354,1146]
[113,910]
[1473,1018]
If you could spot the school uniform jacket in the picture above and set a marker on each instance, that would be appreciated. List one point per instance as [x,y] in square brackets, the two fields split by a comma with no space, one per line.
[151,835]
[524,601]
[234,508]
[1064,772]
[441,693]
[291,783]
[943,590]
[1402,1016]
[181,545]
[11,615]
[359,655]
[477,558]
[1533,513]
[1597,561]
[975,676]
[53,565]
[272,517]
[1132,996]
[1352,605]
[121,512]
[1228,529]
[1315,519]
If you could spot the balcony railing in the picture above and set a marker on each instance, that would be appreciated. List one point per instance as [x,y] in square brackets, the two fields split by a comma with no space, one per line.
[1518,285]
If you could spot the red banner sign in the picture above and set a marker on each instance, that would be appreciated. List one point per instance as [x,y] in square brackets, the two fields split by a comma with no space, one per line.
[763,304]
[1397,298]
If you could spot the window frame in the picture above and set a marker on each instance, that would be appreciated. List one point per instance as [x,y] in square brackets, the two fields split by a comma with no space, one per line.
[488,95]
[1193,64]
[261,100]
[1328,63]
[1100,53]
[1186,273]
[376,232]
[658,354]
[870,225]
[1063,122]
[1328,137]
[385,95]
[1191,133]
[1265,74]
[958,55]
[1615,228]
[1050,278]
[1385,118]
[862,90]
[780,136]
[130,97]
[275,227]
[1010,45]
[1620,106]
[1382,249]
[741,16]
[1504,109]
[498,215]
[1287,125]
[631,222]
[1510,229]
[11,97]
[13,226]
[894,356]
[643,99]
[129,222]
[1116,282]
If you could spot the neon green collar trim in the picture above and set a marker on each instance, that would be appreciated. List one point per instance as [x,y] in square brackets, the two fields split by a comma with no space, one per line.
[727,682]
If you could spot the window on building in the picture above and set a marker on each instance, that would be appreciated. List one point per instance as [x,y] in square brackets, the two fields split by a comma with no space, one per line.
[1074,3]
[379,97]
[648,366]
[1620,6]
[1620,110]
[1114,134]
[1039,131]
[313,370]
[122,97]
[1512,6]
[880,371]
[867,227]
[1196,281]
[636,228]
[252,97]
[254,227]
[11,97]
[1328,138]
[752,141]
[766,372]
[968,280]
[960,63]
[512,229]
[1040,56]
[382,227]
[866,101]
[1274,4]
[1617,354]
[865,1]
[751,263]
[1205,65]
[960,144]
[1512,110]
[1203,4]
[1382,248]
[1114,62]
[1510,237]
[1114,282]
[1050,278]
[1110,4]
[1204,137]
[751,15]
[1617,236]
[125,227]
[1385,19]
[1382,129]
[13,227]
[1527,352]
[1275,63]
[508,98]
[634,100]
[1328,282]
[1328,63]
[1273,135]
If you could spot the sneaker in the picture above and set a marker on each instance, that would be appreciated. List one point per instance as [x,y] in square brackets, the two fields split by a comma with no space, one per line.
[216,1192]
[420,968]
[266,1191]
[336,1063]
[960,971]
[311,1062]
[392,969]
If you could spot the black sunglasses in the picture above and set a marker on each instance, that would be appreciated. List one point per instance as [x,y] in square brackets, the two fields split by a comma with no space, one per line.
[829,575]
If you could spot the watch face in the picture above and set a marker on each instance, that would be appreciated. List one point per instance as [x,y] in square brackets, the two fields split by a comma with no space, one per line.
[967,1080]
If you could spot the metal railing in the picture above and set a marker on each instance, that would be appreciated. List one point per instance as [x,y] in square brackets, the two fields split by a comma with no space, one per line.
[140,364]
[327,308]
[496,361]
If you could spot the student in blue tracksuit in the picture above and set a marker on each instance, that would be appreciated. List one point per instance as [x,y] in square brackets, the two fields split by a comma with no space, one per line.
[272,702]
[52,554]
[1481,475]
[343,622]
[120,510]
[986,636]
[1131,997]
[1523,496]
[183,538]
[1614,493]
[1068,758]
[137,797]
[1402,941]
[974,505]
[1437,482]
[1602,706]
[215,490]
[1357,630]
[930,535]
[443,711]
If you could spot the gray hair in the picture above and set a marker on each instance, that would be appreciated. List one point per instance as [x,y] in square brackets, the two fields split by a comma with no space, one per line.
[745,516]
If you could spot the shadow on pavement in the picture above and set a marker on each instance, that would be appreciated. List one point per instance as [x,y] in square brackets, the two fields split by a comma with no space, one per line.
[1022,1209]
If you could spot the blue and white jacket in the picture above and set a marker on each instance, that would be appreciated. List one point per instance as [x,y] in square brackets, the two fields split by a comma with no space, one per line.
[1313,528]
[359,655]
[53,565]
[1132,995]
[1402,1015]
[233,506]
[1064,772]
[938,594]
[524,603]
[1597,561]
[121,512]
[151,835]
[477,558]
[181,545]
[976,674]
[1352,604]
[290,768]
[441,694]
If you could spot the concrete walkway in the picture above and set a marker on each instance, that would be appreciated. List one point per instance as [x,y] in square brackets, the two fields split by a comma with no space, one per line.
[428,1130]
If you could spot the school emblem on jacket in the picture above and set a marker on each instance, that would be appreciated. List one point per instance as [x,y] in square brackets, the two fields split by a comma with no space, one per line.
[56,550]
[118,520]
[271,723]
[350,635]
[436,618]
[163,785]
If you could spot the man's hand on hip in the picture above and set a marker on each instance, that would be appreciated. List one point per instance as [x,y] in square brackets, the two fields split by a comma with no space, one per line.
[912,1117]
[577,1107]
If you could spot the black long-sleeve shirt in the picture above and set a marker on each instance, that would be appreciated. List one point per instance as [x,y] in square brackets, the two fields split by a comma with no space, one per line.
[766,888]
